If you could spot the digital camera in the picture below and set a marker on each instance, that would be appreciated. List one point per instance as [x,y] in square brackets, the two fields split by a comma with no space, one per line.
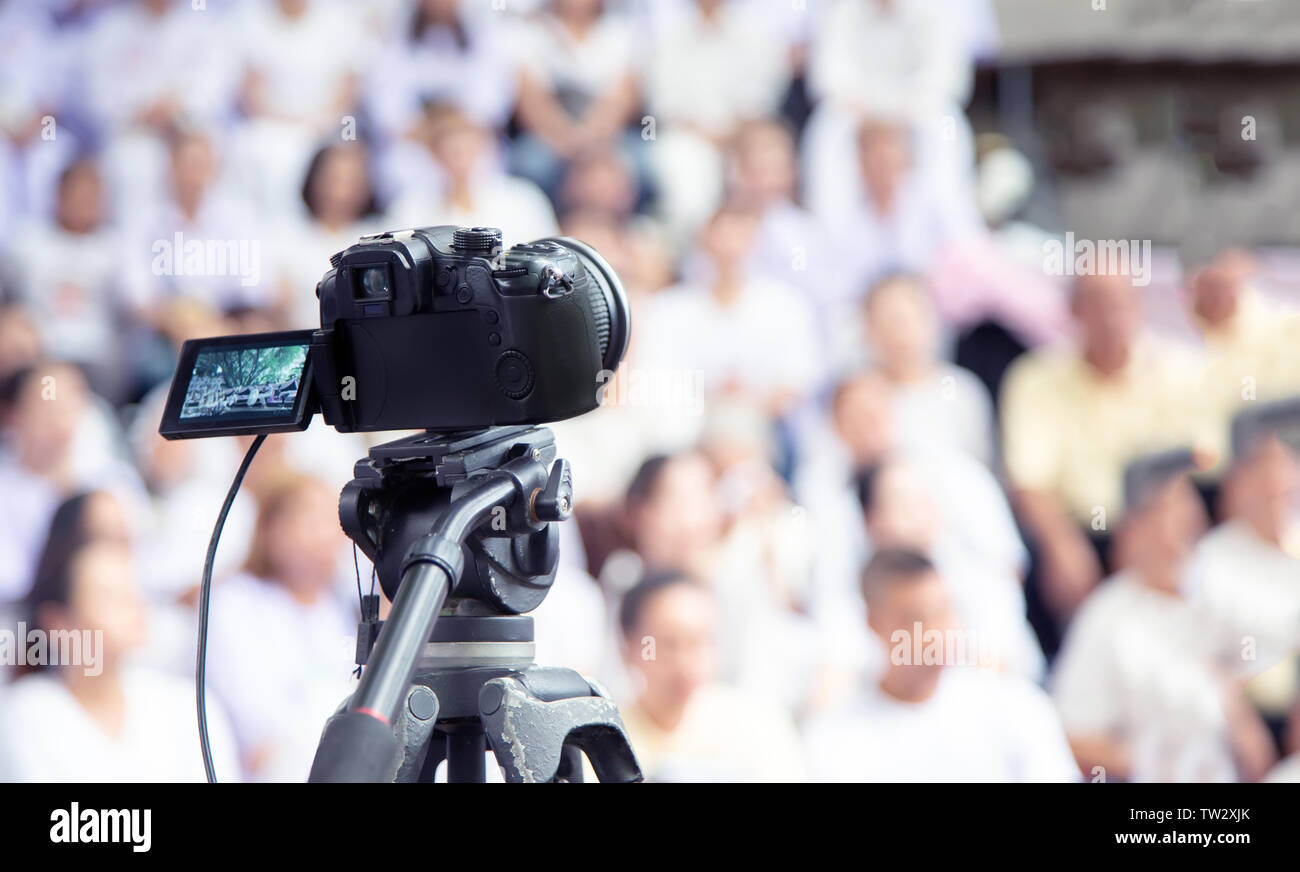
[436,328]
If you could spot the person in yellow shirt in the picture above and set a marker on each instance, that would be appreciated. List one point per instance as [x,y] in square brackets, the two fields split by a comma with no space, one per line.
[1252,346]
[1072,417]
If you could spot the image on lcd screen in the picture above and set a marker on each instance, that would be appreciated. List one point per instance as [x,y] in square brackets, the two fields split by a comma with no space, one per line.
[246,382]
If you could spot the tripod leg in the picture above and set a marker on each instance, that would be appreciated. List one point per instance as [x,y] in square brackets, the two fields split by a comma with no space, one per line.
[415,732]
[529,731]
[433,759]
[570,765]
[466,756]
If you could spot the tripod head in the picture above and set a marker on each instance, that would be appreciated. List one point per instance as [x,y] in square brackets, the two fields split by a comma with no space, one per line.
[404,487]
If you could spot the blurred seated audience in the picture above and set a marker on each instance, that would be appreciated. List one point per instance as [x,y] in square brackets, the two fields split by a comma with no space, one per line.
[923,717]
[1144,680]
[933,400]
[37,81]
[67,272]
[200,238]
[826,292]
[674,521]
[100,718]
[580,94]
[147,69]
[901,511]
[446,52]
[467,186]
[1071,418]
[293,91]
[707,43]
[903,60]
[901,222]
[1248,568]
[791,244]
[341,207]
[1250,357]
[57,441]
[750,336]
[683,722]
[600,180]
[862,435]
[281,683]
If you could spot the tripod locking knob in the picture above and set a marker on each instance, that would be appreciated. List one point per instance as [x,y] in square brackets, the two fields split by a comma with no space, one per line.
[555,501]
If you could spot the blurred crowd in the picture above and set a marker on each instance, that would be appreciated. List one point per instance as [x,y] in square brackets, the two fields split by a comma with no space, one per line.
[875,495]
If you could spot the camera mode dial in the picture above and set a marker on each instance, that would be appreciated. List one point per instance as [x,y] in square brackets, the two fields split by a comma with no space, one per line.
[477,240]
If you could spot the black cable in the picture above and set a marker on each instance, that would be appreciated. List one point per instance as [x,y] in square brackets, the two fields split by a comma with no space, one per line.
[201,659]
[361,598]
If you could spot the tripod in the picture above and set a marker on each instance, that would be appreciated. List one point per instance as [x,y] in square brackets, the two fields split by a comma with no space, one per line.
[460,530]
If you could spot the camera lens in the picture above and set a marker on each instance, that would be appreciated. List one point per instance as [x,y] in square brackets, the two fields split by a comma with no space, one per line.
[609,305]
[374,283]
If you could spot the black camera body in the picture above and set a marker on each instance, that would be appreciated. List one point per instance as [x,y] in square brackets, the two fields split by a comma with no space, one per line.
[435,328]
[441,320]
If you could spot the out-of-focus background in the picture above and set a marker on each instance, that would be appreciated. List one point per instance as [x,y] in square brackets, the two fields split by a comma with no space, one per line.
[952,434]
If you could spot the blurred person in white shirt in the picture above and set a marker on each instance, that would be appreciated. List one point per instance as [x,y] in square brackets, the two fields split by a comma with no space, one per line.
[934,401]
[860,433]
[68,272]
[751,337]
[1258,500]
[600,180]
[579,94]
[283,632]
[791,245]
[38,133]
[751,552]
[763,572]
[57,442]
[174,241]
[110,720]
[900,508]
[930,719]
[684,724]
[902,219]
[1145,678]
[739,52]
[301,65]
[899,59]
[671,520]
[1248,567]
[340,208]
[447,51]
[150,63]
[467,186]
[184,482]
[77,517]
[150,68]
